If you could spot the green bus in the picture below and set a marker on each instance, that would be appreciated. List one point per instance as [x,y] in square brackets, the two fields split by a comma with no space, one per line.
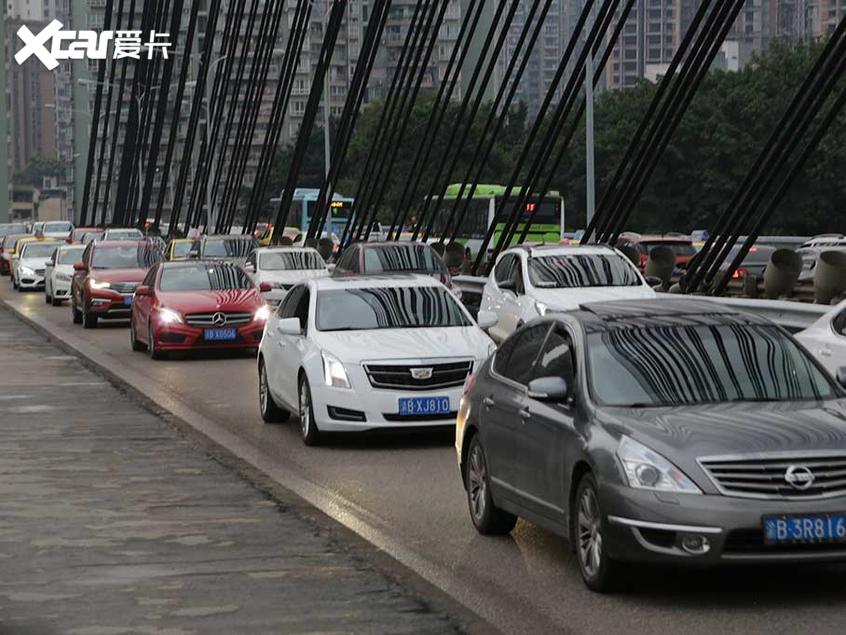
[547,216]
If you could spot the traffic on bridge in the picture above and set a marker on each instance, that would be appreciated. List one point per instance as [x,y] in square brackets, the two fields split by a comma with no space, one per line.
[507,339]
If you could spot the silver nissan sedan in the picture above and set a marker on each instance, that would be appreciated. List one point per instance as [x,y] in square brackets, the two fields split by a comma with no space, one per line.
[671,431]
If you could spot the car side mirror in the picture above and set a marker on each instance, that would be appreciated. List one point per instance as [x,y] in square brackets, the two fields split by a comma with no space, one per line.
[264,287]
[289,326]
[249,267]
[142,290]
[553,389]
[79,266]
[486,319]
[841,376]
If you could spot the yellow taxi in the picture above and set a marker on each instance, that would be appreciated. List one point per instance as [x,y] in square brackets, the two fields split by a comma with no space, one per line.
[182,248]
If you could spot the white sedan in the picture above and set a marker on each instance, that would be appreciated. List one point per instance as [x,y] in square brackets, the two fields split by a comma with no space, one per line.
[356,354]
[283,267]
[528,282]
[59,272]
[826,338]
[28,270]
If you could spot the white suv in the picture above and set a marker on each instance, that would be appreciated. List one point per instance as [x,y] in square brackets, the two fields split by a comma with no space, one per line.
[528,282]
[360,353]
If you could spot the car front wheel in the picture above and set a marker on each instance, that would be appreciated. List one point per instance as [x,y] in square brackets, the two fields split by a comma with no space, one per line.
[598,570]
[270,412]
[487,517]
[136,344]
[76,313]
[308,426]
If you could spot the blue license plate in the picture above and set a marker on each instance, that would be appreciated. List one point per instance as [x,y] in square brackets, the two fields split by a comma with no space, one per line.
[423,406]
[811,529]
[220,335]
[127,299]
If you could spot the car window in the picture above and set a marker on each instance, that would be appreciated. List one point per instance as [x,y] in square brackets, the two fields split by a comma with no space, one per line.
[684,365]
[204,277]
[582,270]
[402,257]
[181,249]
[289,305]
[38,250]
[556,356]
[301,310]
[107,256]
[150,278]
[504,270]
[839,323]
[69,255]
[344,263]
[516,357]
[290,260]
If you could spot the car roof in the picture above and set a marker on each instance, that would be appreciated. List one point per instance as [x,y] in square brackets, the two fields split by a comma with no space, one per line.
[561,250]
[229,236]
[617,315]
[268,250]
[380,244]
[374,281]
[120,243]
[48,241]
[175,264]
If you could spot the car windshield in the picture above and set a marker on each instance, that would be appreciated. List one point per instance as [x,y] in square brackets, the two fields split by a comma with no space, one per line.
[123,257]
[5,230]
[58,227]
[87,237]
[226,248]
[124,234]
[38,250]
[70,256]
[182,249]
[582,270]
[204,278]
[387,308]
[402,258]
[686,365]
[285,260]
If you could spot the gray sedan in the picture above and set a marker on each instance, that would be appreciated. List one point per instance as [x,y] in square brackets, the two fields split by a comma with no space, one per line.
[669,431]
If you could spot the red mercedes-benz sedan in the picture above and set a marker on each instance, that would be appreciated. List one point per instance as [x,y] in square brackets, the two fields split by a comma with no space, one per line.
[184,305]
[104,280]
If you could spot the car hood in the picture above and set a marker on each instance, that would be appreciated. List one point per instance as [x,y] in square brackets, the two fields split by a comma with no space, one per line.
[246,300]
[682,434]
[572,299]
[34,263]
[353,347]
[292,276]
[118,275]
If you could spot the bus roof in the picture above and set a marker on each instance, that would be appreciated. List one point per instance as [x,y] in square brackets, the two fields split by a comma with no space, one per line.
[487,190]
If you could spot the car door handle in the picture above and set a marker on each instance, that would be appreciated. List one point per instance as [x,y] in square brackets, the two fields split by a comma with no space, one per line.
[525,415]
[488,402]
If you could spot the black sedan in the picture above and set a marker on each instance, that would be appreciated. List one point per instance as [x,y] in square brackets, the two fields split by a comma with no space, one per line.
[670,431]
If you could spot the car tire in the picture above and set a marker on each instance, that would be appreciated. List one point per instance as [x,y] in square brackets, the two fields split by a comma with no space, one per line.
[270,411]
[56,301]
[487,518]
[308,427]
[76,313]
[599,572]
[89,320]
[47,299]
[155,354]
[134,342]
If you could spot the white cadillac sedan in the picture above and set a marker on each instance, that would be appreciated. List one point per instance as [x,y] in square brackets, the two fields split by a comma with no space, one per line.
[530,281]
[826,338]
[58,273]
[283,267]
[360,353]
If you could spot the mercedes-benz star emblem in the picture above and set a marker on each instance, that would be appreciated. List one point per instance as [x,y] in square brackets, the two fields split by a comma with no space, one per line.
[799,476]
[219,319]
[421,373]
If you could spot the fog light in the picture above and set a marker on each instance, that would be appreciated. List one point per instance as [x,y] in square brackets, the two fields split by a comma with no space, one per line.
[695,544]
[99,301]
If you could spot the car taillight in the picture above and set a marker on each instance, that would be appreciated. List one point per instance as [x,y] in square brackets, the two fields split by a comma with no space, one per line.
[739,273]
[468,383]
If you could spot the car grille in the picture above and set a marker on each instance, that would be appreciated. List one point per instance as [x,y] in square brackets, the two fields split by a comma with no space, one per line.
[124,287]
[764,476]
[39,272]
[401,378]
[208,319]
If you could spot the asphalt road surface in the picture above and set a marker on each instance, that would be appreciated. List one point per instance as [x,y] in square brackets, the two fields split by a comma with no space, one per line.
[403,494]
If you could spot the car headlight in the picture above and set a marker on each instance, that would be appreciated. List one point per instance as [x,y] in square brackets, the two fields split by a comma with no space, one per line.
[64,277]
[26,271]
[541,308]
[97,284]
[169,316]
[334,373]
[262,313]
[646,469]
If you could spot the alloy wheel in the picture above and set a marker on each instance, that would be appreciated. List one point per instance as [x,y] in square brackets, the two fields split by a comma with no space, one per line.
[263,388]
[305,408]
[477,482]
[589,533]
